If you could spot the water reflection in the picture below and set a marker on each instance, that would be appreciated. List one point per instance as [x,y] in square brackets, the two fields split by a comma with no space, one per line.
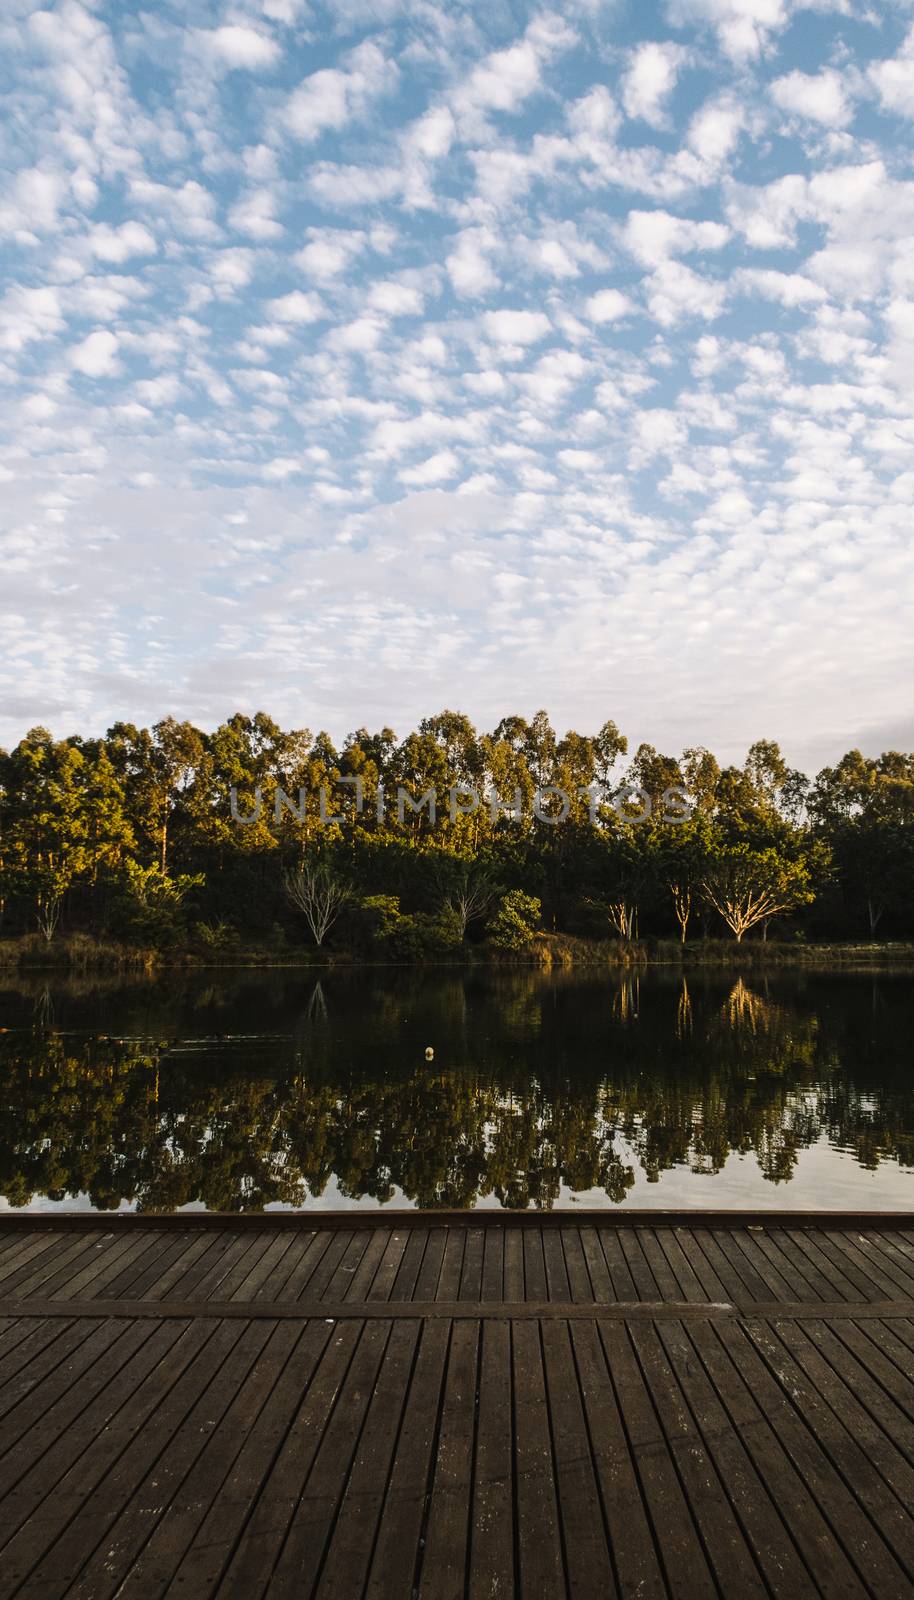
[246,1090]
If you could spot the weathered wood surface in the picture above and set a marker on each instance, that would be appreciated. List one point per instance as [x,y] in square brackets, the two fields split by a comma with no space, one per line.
[443,1408]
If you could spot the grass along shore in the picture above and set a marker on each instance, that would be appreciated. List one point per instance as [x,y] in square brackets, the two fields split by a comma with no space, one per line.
[81,953]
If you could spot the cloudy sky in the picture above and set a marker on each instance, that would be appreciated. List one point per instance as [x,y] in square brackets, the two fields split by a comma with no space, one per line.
[362,359]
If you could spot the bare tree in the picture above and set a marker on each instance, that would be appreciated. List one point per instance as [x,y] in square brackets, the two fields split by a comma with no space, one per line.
[47,914]
[681,890]
[316,890]
[746,887]
[623,914]
[470,893]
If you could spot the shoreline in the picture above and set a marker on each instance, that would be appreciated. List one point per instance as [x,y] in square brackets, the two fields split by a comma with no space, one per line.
[550,953]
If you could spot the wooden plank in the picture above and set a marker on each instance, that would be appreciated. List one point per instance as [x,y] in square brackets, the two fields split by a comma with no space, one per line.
[353,1532]
[339,1283]
[897,1254]
[470,1287]
[796,1277]
[622,1283]
[190,1266]
[629,1532]
[885,1551]
[645,1285]
[875,1424]
[687,1239]
[137,1278]
[30,1336]
[587,1559]
[753,1500]
[355,1278]
[850,1526]
[404,1285]
[539,1540]
[734,1383]
[689,1284]
[264,1533]
[290,1418]
[739,1281]
[684,1562]
[337,1464]
[875,1347]
[443,1570]
[557,1284]
[49,1393]
[579,1284]
[386,1275]
[886,1282]
[726,1549]
[825,1281]
[451,1265]
[492,1514]
[52,1491]
[513,1272]
[397,1551]
[175,1530]
[774,1276]
[493,1266]
[324,1268]
[205,1276]
[51,1267]
[601,1284]
[667,1285]
[535,1284]
[426,1287]
[99,1545]
[24,1249]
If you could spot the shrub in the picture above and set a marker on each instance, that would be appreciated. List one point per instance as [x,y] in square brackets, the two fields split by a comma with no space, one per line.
[514,924]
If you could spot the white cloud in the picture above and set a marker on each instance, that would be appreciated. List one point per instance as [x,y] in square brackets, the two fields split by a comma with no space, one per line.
[120,244]
[820,97]
[396,299]
[255,215]
[329,252]
[714,130]
[469,266]
[239,47]
[893,79]
[654,236]
[96,356]
[331,98]
[516,327]
[297,307]
[743,27]
[790,289]
[32,203]
[650,79]
[28,315]
[608,305]
[507,78]
[676,293]
[436,469]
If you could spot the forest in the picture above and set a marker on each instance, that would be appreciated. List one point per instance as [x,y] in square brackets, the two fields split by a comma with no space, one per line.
[133,842]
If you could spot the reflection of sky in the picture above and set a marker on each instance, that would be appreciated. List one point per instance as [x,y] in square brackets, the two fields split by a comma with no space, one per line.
[823,1179]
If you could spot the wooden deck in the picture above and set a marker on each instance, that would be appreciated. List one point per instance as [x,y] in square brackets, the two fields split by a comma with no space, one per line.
[460,1408]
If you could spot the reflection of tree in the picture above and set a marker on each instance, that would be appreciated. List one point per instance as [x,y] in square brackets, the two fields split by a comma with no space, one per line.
[535,1084]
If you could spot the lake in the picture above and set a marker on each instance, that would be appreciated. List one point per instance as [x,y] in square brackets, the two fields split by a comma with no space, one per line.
[249,1090]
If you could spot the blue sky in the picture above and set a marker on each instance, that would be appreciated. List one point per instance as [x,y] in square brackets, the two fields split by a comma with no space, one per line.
[365,359]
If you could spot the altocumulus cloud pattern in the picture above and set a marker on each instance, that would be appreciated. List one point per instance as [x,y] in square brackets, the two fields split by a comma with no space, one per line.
[370,357]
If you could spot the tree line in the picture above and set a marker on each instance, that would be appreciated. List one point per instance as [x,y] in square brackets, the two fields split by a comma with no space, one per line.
[135,837]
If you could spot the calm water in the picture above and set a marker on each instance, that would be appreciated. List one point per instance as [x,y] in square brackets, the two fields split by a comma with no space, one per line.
[239,1091]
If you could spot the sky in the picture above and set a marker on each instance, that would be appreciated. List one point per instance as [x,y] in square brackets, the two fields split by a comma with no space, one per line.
[365,359]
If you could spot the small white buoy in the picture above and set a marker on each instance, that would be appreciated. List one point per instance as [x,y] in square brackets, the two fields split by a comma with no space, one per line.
[429,1053]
